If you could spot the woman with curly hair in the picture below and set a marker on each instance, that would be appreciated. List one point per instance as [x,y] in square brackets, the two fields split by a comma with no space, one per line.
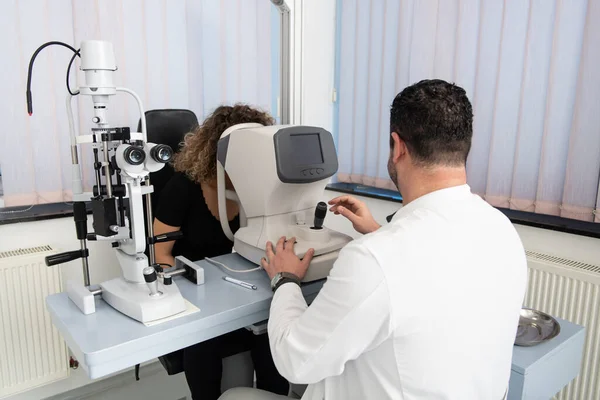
[189,203]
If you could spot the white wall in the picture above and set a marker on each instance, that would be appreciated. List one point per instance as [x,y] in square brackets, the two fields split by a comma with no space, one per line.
[60,234]
[154,383]
[559,244]
[314,37]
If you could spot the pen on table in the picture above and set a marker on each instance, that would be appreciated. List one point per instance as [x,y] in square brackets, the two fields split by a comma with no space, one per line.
[240,283]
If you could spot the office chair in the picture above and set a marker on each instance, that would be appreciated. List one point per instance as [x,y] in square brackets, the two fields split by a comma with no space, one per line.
[169,127]
[166,127]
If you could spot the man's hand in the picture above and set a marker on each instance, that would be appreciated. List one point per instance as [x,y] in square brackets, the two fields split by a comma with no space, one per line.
[356,211]
[283,259]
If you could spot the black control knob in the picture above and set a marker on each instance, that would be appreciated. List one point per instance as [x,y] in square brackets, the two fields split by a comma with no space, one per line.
[151,281]
[320,213]
[149,274]
[168,280]
[65,257]
[80,217]
[158,268]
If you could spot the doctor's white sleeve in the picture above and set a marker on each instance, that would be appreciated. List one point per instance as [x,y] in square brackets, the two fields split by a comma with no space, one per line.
[349,316]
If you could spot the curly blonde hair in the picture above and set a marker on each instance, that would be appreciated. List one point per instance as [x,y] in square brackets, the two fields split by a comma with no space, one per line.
[198,155]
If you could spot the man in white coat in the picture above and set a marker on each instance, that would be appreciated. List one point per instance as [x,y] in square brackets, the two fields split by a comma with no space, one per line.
[426,307]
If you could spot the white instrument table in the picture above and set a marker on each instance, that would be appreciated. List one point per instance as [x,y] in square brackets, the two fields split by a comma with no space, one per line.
[541,371]
[107,341]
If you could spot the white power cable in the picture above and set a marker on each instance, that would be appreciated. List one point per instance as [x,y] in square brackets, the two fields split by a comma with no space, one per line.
[218,264]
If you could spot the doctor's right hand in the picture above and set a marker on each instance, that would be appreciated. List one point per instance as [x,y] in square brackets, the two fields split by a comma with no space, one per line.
[356,212]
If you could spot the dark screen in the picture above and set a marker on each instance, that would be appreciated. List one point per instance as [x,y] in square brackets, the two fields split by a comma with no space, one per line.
[307,149]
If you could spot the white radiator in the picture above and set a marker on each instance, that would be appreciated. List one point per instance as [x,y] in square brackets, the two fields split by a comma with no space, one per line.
[32,353]
[570,290]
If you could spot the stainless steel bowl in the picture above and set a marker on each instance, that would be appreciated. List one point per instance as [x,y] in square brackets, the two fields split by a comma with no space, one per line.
[535,327]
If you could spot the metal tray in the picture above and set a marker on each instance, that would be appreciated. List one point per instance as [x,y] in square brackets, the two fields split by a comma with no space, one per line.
[535,327]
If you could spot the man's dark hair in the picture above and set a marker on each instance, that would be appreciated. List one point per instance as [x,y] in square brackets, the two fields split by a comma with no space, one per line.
[435,120]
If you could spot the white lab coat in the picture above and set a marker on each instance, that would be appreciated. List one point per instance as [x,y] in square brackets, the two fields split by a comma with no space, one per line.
[427,307]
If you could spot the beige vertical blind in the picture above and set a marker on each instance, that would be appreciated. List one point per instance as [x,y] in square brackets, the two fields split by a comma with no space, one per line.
[530,68]
[173,53]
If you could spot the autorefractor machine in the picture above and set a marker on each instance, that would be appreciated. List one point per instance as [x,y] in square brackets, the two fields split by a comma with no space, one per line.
[277,184]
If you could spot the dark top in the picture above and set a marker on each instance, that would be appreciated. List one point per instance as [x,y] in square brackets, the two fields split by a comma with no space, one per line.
[181,203]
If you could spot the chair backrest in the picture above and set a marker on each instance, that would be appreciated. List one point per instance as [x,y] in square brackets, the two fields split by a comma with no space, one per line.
[166,127]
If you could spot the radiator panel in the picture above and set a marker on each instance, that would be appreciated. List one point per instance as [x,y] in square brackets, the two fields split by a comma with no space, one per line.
[32,353]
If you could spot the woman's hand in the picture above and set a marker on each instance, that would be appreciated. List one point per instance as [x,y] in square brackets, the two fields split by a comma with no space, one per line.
[356,212]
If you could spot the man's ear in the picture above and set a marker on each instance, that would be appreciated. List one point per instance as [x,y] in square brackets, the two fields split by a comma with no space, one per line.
[399,149]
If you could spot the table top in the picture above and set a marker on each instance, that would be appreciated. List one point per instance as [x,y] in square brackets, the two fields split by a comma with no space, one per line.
[108,341]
